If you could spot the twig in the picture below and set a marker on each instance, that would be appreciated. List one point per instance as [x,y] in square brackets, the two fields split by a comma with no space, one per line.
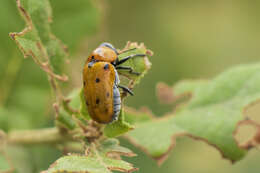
[41,136]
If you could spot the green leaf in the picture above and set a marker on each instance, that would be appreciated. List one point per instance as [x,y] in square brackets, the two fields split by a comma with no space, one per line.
[74,99]
[103,159]
[211,115]
[133,116]
[188,86]
[83,106]
[126,117]
[36,39]
[117,127]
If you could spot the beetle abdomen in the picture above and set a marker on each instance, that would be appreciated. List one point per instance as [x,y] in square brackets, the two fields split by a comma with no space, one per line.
[116,101]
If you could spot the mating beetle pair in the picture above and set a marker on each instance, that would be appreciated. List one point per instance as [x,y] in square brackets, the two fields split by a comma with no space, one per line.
[101,82]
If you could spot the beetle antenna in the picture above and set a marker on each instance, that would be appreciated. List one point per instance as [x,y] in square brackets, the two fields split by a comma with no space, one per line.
[127,50]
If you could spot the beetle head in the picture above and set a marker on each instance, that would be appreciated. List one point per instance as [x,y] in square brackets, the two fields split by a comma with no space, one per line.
[105,52]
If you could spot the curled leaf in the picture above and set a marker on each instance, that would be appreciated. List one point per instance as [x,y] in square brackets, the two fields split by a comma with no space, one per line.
[139,64]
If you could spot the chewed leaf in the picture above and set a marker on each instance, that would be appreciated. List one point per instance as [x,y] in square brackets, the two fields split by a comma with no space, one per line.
[77,164]
[90,164]
[101,159]
[182,91]
[212,114]
[83,106]
[139,64]
[36,40]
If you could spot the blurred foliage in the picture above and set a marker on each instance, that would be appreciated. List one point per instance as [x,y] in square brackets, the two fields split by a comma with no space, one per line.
[4,165]
[190,39]
[73,22]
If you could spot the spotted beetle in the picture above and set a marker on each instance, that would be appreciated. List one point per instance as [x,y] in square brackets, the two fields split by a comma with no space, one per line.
[101,82]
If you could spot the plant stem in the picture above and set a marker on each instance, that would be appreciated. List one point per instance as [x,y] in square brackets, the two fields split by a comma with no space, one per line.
[41,136]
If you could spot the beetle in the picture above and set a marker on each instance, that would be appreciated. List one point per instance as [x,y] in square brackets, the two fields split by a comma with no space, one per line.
[101,82]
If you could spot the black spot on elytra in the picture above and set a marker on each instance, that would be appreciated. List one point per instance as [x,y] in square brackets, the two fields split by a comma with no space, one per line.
[97,101]
[84,83]
[107,94]
[97,80]
[87,103]
[106,66]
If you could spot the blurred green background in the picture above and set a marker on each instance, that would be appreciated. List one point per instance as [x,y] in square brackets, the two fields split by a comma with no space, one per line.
[190,39]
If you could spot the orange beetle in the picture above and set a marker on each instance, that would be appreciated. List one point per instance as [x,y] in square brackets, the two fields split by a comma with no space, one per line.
[101,83]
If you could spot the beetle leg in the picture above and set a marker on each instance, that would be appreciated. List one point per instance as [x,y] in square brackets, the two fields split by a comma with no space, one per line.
[126,89]
[127,50]
[127,58]
[130,69]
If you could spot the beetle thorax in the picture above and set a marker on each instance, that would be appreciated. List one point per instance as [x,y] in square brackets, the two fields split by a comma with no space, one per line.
[104,54]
